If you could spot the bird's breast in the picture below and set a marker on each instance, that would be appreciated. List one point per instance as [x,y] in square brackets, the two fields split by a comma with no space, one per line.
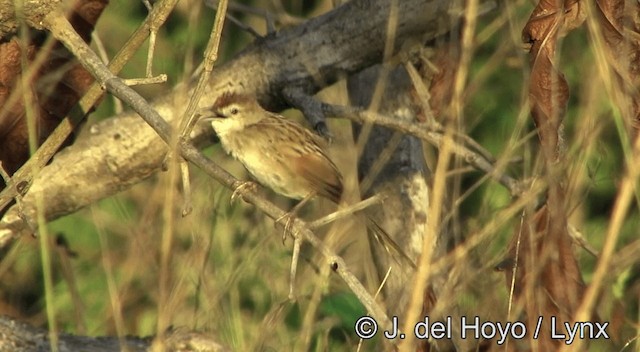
[267,165]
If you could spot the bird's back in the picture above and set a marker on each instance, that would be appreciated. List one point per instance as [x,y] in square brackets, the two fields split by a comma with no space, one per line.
[291,160]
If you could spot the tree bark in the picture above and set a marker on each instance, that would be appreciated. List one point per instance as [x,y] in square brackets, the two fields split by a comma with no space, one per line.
[119,152]
[16,336]
[122,151]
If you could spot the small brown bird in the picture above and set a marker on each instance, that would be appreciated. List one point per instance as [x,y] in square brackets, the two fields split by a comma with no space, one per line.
[280,154]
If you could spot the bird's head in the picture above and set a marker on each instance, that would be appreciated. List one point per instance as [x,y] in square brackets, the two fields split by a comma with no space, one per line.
[232,112]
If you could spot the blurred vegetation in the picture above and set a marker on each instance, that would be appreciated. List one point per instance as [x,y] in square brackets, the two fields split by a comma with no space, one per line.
[229,267]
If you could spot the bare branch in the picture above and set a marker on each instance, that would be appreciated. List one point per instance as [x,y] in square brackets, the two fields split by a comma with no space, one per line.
[428,134]
[20,337]
[259,69]
[24,176]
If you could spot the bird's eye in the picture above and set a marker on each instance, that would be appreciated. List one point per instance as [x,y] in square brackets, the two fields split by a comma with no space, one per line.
[234,111]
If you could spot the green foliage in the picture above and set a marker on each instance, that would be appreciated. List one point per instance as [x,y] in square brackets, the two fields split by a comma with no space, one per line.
[346,307]
[229,271]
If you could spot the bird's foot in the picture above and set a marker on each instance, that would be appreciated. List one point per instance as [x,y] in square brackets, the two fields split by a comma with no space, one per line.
[242,187]
[287,219]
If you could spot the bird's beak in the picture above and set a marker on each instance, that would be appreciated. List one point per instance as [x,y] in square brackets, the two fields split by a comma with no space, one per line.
[208,115]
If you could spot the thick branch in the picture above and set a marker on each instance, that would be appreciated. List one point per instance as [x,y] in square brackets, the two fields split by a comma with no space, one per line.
[16,336]
[327,48]
[114,85]
[23,178]
[308,56]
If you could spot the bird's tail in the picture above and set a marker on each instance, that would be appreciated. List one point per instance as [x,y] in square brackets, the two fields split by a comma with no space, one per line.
[383,238]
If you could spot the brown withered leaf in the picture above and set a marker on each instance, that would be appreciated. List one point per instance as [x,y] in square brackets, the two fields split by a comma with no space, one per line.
[548,282]
[548,90]
[13,134]
[446,60]
[57,85]
[620,27]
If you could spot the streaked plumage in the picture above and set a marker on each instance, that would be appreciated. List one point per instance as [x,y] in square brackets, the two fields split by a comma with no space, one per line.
[279,153]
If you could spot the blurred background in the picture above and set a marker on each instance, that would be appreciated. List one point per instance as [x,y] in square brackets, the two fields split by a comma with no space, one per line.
[230,270]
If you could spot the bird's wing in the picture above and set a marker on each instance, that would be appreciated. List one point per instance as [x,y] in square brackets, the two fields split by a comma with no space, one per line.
[322,175]
[309,159]
[300,150]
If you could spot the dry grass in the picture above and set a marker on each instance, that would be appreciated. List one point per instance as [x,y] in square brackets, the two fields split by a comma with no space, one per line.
[225,270]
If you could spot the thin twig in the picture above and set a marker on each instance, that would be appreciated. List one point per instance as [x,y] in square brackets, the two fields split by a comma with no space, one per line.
[153,33]
[187,206]
[210,57]
[382,160]
[348,211]
[161,78]
[63,31]
[297,243]
[423,132]
[188,119]
[24,176]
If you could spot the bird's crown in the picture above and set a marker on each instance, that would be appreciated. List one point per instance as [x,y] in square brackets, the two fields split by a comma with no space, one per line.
[231,98]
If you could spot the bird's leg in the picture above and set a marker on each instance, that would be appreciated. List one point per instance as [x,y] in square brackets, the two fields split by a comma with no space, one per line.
[241,187]
[297,242]
[290,215]
[294,266]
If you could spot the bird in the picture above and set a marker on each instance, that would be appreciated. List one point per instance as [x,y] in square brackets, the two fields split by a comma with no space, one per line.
[281,154]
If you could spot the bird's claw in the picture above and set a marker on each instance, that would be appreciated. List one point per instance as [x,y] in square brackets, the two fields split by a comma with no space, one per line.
[241,187]
[288,224]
